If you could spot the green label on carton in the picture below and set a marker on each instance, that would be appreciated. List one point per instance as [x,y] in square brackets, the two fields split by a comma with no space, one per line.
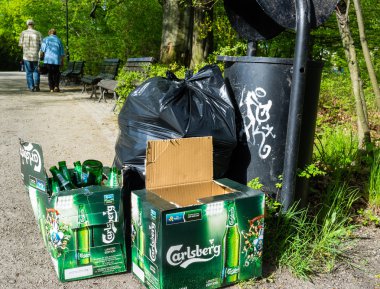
[32,165]
[204,246]
[81,228]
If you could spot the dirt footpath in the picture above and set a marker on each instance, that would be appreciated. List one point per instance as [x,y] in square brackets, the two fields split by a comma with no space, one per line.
[70,126]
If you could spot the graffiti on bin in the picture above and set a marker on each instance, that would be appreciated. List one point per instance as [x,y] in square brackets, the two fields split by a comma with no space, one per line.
[256,120]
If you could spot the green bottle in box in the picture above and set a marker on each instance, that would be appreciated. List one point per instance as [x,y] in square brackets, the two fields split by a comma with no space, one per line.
[64,184]
[141,242]
[78,174]
[113,178]
[83,237]
[231,247]
[92,172]
[64,170]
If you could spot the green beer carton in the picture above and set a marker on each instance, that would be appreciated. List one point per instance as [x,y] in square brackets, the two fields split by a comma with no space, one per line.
[188,230]
[81,228]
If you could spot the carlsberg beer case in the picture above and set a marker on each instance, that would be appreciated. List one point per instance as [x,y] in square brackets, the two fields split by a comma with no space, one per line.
[81,228]
[189,231]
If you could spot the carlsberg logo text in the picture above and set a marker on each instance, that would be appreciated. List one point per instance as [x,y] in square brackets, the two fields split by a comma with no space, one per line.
[110,229]
[32,157]
[186,256]
[153,242]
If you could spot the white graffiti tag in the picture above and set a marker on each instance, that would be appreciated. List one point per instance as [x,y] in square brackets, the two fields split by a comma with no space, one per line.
[255,116]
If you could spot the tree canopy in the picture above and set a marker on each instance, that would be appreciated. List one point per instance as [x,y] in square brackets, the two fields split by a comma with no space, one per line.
[129,28]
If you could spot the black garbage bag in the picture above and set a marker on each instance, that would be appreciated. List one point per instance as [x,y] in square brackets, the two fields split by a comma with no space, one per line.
[167,108]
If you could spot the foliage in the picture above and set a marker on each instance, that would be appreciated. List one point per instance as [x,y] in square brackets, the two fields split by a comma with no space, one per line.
[335,149]
[309,171]
[368,217]
[309,244]
[126,83]
[160,70]
[129,79]
[237,49]
[255,184]
[336,153]
[374,183]
[119,29]
[307,240]
[311,240]
[336,104]
[224,34]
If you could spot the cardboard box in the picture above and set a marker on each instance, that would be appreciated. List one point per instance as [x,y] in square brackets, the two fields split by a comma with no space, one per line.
[190,231]
[82,228]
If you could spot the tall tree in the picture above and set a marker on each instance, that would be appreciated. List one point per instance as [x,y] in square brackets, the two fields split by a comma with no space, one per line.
[202,36]
[367,56]
[349,47]
[176,31]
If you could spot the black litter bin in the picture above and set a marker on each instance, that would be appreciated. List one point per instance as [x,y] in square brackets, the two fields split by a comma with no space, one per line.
[261,88]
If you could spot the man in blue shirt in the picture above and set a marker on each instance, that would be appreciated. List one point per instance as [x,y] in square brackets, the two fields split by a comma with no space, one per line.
[53,52]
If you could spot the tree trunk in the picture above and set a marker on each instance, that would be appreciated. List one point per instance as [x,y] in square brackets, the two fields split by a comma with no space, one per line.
[348,45]
[176,28]
[202,40]
[362,97]
[367,56]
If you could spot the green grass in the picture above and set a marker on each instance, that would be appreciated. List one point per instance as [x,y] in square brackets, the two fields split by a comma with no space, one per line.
[312,240]
[308,243]
[336,148]
[374,182]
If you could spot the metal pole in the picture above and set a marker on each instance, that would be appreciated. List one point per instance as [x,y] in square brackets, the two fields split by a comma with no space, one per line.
[67,32]
[296,103]
[252,48]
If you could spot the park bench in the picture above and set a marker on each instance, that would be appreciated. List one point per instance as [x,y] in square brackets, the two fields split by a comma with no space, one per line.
[108,85]
[73,73]
[77,73]
[108,70]
[65,73]
[140,65]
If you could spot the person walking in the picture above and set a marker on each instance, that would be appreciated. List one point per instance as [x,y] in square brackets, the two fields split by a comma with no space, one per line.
[30,41]
[53,55]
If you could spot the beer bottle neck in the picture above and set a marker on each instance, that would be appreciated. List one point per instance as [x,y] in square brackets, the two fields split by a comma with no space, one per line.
[231,215]
[82,218]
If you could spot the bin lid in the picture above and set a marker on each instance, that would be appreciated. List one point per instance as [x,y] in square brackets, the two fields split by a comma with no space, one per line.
[180,161]
[284,11]
[250,20]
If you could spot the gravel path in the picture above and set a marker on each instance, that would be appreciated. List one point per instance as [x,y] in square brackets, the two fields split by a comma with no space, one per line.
[70,126]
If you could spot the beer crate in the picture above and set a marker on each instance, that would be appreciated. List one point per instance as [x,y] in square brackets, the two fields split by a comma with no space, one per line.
[82,229]
[188,230]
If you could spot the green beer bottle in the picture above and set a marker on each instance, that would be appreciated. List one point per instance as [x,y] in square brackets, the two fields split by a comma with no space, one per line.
[112,179]
[64,184]
[49,189]
[231,247]
[54,187]
[92,172]
[41,220]
[64,170]
[78,173]
[83,237]
[141,242]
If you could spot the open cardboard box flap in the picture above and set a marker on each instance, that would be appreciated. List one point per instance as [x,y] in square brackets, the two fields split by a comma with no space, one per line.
[176,162]
[181,170]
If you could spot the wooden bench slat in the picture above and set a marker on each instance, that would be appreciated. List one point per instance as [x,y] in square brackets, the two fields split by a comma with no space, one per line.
[108,70]
[107,82]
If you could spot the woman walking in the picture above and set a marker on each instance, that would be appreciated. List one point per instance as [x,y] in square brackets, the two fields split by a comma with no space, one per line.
[53,56]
